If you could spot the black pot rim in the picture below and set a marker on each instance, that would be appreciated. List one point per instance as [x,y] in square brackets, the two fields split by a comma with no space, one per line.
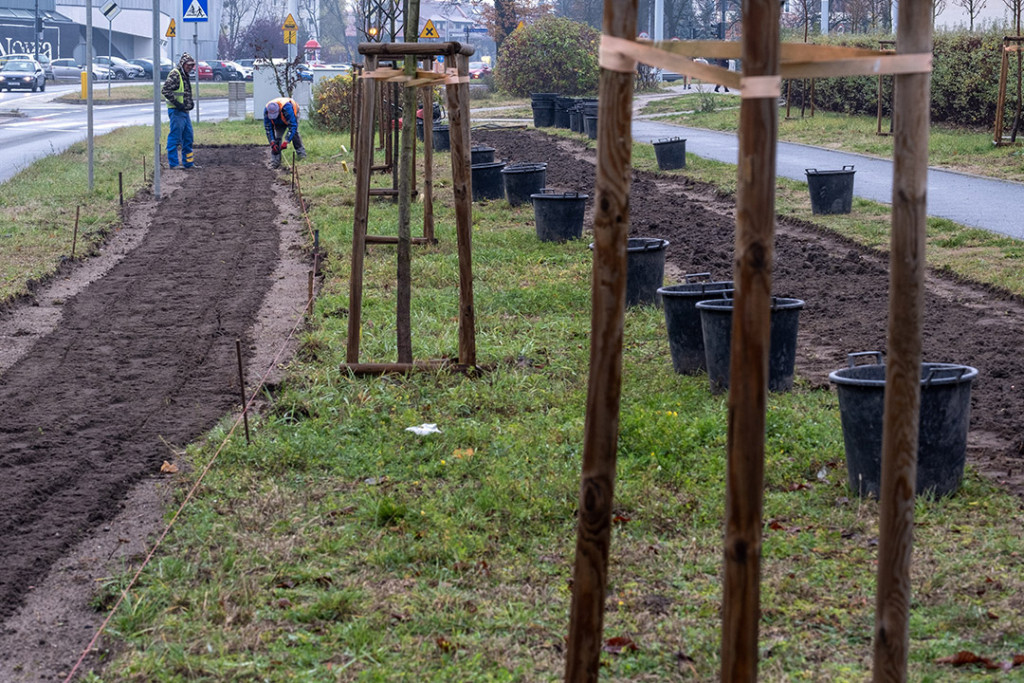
[954,374]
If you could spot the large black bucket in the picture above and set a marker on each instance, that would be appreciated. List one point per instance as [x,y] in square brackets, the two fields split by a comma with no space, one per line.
[716,322]
[682,319]
[523,180]
[942,428]
[576,119]
[419,129]
[543,109]
[645,269]
[558,215]
[590,126]
[831,191]
[481,155]
[486,180]
[671,153]
[562,106]
[441,140]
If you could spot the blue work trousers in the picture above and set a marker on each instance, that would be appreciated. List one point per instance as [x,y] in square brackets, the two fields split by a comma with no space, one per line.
[179,136]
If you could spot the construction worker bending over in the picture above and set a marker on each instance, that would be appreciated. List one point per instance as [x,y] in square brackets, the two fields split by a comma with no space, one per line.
[177,91]
[281,121]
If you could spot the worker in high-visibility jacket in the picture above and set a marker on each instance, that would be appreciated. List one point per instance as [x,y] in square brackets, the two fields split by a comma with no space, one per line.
[281,121]
[177,90]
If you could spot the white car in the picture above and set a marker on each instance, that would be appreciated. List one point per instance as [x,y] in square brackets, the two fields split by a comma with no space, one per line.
[70,68]
[246,71]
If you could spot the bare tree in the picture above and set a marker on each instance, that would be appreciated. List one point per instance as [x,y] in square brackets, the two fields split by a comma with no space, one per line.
[236,14]
[309,17]
[938,7]
[973,9]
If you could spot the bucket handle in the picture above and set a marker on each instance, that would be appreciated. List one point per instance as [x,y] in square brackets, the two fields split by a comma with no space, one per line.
[937,373]
[848,167]
[810,171]
[694,276]
[851,358]
[653,243]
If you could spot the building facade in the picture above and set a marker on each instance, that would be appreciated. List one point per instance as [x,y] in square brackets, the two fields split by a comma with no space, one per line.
[128,35]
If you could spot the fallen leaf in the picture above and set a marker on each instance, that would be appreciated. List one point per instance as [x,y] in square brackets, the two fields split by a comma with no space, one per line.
[775,525]
[461,453]
[619,644]
[967,657]
[686,660]
[168,467]
[284,603]
[444,645]
[798,486]
[620,519]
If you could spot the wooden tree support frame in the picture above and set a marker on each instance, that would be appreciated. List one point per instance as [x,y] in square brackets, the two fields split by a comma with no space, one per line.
[888,46]
[765,63]
[1011,45]
[456,82]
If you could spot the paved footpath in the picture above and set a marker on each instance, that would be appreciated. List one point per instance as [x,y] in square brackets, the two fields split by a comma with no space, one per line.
[994,205]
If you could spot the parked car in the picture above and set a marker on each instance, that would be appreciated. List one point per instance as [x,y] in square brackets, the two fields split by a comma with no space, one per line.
[147,67]
[204,72]
[123,69]
[305,73]
[479,70]
[70,68]
[249,63]
[247,72]
[224,70]
[22,73]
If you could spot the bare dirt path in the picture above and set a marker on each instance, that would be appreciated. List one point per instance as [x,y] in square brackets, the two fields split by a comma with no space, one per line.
[845,287]
[123,360]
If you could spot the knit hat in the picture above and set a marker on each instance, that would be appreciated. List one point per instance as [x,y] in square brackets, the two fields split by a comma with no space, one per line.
[273,109]
[186,58]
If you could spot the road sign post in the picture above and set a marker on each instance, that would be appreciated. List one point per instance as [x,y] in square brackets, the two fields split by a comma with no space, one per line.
[110,10]
[195,11]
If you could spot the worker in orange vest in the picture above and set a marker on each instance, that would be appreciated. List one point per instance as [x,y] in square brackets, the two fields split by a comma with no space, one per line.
[281,121]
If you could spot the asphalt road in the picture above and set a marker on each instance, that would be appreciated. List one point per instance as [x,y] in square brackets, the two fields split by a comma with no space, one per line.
[993,205]
[32,125]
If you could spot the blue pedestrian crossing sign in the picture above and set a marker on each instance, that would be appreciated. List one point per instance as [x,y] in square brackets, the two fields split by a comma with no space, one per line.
[194,10]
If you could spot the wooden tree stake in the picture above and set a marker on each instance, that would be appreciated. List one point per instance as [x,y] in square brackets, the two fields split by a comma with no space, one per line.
[903,365]
[608,305]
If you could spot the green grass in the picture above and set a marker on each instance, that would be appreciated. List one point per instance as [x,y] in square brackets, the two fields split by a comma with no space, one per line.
[340,546]
[121,94]
[969,151]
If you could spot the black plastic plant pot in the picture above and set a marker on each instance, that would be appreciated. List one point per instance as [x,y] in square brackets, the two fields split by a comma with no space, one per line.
[942,424]
[487,182]
[590,126]
[419,129]
[481,155]
[441,139]
[682,319]
[671,153]
[523,180]
[543,109]
[558,215]
[831,191]
[716,325]
[645,270]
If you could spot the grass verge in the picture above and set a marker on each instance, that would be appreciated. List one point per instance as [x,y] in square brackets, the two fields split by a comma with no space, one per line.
[340,546]
[123,94]
[968,151]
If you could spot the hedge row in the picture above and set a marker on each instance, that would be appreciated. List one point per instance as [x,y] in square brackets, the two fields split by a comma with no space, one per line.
[965,80]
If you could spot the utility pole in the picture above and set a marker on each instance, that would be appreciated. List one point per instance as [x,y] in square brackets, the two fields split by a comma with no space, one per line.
[37,27]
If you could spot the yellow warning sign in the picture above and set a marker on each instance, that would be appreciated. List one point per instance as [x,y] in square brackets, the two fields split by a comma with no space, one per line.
[520,25]
[289,37]
[289,24]
[429,31]
[170,30]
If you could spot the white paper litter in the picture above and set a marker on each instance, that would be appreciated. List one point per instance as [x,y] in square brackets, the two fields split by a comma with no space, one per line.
[424,429]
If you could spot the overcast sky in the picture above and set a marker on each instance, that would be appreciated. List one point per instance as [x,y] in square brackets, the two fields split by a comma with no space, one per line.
[955,16]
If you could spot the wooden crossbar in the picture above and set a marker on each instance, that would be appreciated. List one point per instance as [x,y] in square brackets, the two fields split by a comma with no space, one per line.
[798,60]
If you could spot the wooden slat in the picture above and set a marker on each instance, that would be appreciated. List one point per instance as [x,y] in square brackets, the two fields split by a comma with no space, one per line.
[903,364]
[393,239]
[748,368]
[604,385]
[458,134]
[363,160]
[400,49]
